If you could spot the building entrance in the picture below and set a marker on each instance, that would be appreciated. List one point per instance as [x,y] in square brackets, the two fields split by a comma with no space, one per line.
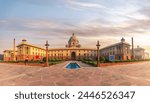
[73,56]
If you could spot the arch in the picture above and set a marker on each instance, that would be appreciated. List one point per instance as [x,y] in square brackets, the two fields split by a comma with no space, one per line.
[73,56]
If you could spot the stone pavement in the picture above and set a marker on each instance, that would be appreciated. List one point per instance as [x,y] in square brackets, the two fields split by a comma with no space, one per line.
[58,75]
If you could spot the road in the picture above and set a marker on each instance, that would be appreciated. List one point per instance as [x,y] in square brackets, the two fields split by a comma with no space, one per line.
[137,74]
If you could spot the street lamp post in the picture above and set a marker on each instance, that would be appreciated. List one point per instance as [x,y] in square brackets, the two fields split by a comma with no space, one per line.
[14,58]
[47,45]
[98,54]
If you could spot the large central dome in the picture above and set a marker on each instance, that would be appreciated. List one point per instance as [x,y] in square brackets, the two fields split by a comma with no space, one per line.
[73,42]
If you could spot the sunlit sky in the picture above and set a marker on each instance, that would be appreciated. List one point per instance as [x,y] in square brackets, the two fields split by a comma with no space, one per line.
[91,20]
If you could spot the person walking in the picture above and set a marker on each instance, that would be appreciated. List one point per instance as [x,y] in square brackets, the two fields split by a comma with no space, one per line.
[26,60]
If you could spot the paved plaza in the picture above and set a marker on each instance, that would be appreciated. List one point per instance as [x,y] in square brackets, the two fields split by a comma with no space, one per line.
[136,74]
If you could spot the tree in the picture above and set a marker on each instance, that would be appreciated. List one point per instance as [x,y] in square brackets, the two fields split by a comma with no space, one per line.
[102,59]
[44,59]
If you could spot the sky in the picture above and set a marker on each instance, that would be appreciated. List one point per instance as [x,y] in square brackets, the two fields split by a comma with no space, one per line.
[90,20]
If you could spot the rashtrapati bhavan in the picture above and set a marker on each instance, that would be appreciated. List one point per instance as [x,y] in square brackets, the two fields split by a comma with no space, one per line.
[72,51]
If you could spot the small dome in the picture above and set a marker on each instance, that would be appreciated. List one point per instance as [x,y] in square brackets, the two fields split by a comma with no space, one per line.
[122,40]
[24,41]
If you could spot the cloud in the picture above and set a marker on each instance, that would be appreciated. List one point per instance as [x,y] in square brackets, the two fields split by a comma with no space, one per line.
[84,4]
[136,24]
[40,2]
[94,28]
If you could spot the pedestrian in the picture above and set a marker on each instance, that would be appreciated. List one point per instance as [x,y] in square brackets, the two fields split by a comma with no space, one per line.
[26,60]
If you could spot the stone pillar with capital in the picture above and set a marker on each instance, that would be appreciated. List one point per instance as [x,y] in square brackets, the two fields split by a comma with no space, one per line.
[98,54]
[47,45]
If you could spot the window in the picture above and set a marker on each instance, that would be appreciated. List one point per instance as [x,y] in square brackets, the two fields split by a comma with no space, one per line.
[87,54]
[119,58]
[127,58]
[113,53]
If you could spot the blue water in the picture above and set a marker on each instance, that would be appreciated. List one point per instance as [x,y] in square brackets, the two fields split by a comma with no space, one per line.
[73,66]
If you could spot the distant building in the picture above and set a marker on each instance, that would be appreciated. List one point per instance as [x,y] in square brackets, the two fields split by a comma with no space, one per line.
[118,51]
[73,51]
[26,50]
[23,51]
[1,57]
[139,53]
[8,55]
[146,56]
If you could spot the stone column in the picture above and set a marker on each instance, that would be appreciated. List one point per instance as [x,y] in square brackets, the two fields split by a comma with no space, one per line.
[98,54]
[14,44]
[47,45]
[132,56]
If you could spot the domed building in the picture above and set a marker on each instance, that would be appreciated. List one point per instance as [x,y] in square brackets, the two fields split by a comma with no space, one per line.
[117,51]
[73,51]
[73,42]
